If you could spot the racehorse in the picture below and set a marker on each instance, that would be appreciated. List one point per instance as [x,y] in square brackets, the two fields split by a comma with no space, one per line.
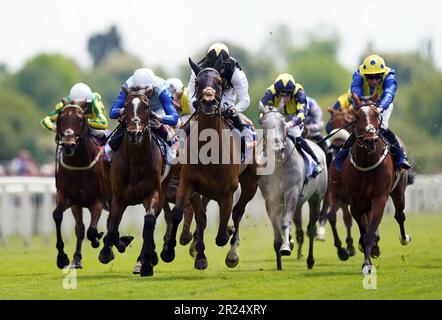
[135,176]
[215,180]
[80,179]
[335,198]
[286,189]
[368,178]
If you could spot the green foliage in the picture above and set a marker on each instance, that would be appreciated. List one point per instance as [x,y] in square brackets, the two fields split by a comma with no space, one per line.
[45,79]
[21,127]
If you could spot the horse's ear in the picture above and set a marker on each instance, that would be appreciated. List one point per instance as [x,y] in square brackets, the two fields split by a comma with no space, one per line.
[148,92]
[375,97]
[218,64]
[351,110]
[263,108]
[64,101]
[196,68]
[356,99]
[124,88]
[331,110]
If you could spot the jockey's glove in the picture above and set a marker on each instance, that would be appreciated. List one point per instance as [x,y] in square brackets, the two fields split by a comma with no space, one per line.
[230,112]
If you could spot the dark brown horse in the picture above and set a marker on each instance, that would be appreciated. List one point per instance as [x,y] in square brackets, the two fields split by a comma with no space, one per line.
[216,180]
[80,179]
[335,197]
[135,177]
[368,178]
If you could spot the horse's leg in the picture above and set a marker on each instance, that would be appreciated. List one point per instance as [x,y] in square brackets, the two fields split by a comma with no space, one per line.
[249,184]
[184,192]
[290,204]
[374,219]
[62,258]
[201,222]
[315,207]
[331,215]
[299,233]
[398,196]
[275,218]
[79,233]
[348,221]
[320,234]
[92,233]
[112,237]
[225,209]
[148,255]
[186,235]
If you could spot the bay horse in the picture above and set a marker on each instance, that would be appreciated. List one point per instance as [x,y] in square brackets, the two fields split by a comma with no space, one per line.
[215,180]
[335,197]
[286,189]
[135,177]
[80,179]
[368,178]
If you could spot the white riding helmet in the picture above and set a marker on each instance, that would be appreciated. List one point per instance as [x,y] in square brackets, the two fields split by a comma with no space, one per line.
[143,78]
[175,84]
[80,92]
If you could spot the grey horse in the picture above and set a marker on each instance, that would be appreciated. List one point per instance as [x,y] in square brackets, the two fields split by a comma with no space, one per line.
[286,189]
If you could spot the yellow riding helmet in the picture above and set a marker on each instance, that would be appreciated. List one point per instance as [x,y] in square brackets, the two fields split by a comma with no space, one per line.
[216,49]
[285,84]
[373,64]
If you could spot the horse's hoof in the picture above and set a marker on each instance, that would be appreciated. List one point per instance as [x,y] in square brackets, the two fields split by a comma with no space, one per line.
[285,250]
[351,251]
[220,242]
[343,254]
[310,263]
[126,240]
[405,241]
[95,243]
[137,268]
[201,264]
[232,260]
[62,261]
[366,269]
[106,255]
[320,234]
[167,255]
[375,252]
[76,265]
[185,238]
[146,270]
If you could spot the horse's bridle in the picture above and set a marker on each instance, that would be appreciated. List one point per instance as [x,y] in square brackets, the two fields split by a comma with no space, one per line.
[69,132]
[215,101]
[136,120]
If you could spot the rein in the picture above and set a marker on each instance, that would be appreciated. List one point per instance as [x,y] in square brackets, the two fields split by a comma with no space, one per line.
[88,167]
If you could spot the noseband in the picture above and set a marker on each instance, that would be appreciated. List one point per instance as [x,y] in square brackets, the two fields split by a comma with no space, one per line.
[209,99]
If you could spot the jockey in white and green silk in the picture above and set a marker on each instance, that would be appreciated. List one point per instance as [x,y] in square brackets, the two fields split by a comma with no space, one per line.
[95,111]
[373,76]
[289,98]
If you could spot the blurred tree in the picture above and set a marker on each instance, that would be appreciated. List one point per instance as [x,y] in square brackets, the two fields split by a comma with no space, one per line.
[102,45]
[3,72]
[21,127]
[45,79]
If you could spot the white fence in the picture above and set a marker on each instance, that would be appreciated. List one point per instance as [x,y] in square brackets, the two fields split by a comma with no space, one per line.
[26,205]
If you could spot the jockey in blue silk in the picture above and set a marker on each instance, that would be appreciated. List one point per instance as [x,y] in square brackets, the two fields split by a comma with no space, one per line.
[344,102]
[289,98]
[160,103]
[374,76]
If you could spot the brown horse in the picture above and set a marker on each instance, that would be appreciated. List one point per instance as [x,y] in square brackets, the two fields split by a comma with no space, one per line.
[335,197]
[135,176]
[216,180]
[80,179]
[368,178]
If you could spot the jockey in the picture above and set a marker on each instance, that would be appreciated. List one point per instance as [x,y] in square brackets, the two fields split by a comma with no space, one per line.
[313,123]
[289,98]
[95,111]
[344,102]
[374,76]
[160,104]
[180,99]
[235,84]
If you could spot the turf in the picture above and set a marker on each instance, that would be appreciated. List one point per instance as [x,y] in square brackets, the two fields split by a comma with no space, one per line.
[410,272]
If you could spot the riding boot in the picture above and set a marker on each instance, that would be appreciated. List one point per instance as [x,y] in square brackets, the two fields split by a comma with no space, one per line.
[300,141]
[117,137]
[400,159]
[343,153]
[238,124]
